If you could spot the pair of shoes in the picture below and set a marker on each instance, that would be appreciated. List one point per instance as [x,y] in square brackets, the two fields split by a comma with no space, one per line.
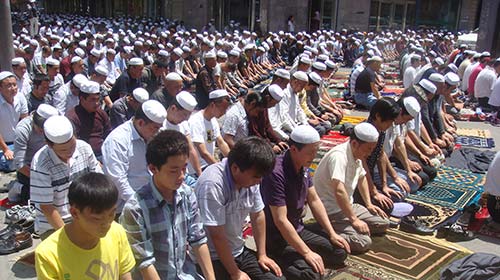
[468,215]
[18,213]
[15,243]
[20,226]
[414,226]
[455,233]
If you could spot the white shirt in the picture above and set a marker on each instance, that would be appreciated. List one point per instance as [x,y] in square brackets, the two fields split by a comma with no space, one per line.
[495,94]
[465,80]
[484,82]
[292,103]
[236,122]
[204,131]
[113,71]
[10,114]
[124,160]
[409,76]
[492,185]
[24,84]
[64,100]
[354,76]
[420,73]
[183,127]
[339,164]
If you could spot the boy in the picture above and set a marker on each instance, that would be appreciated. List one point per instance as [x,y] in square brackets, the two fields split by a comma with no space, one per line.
[92,246]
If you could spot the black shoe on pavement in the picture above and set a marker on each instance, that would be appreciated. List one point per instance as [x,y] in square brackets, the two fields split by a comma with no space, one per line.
[456,233]
[414,226]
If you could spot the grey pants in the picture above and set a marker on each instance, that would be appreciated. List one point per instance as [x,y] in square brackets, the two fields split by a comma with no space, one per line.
[358,242]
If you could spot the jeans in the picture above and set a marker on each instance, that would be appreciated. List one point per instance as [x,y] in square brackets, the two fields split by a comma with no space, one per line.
[391,184]
[365,99]
[7,165]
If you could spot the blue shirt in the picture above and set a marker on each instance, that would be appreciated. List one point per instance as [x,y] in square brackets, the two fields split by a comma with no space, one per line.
[222,204]
[159,233]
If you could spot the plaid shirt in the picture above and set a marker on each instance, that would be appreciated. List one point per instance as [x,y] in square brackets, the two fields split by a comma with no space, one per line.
[160,233]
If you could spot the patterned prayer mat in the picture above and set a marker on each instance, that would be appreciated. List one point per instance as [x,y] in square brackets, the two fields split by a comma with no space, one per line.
[429,214]
[456,176]
[477,142]
[448,195]
[482,133]
[352,119]
[356,270]
[409,256]
[482,227]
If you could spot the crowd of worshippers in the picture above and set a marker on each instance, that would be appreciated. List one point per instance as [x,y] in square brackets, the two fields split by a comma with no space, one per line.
[192,153]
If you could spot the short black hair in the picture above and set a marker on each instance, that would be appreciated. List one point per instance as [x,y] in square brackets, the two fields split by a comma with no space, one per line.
[386,108]
[252,153]
[298,145]
[93,190]
[165,144]
[140,115]
[39,78]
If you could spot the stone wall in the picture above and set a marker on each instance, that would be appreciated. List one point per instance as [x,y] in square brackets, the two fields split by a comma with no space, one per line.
[353,14]
[468,15]
[275,13]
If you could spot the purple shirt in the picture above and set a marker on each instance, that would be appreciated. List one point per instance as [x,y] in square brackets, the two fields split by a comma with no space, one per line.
[284,187]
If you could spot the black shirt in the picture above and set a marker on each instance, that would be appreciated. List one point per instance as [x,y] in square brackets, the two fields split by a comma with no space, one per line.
[124,85]
[363,81]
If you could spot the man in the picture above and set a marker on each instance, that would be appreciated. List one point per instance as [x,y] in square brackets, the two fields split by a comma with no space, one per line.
[91,123]
[484,83]
[39,92]
[22,76]
[220,191]
[339,173]
[153,76]
[205,81]
[109,63]
[124,149]
[411,71]
[124,108]
[205,130]
[56,79]
[366,89]
[67,96]
[166,94]
[13,108]
[300,252]
[483,60]
[91,61]
[128,80]
[162,219]
[101,244]
[29,139]
[53,168]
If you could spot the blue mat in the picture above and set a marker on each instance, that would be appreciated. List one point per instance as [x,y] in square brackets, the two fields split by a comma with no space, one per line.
[477,142]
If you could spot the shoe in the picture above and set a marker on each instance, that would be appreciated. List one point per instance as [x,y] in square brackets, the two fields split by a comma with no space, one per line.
[468,215]
[18,213]
[414,226]
[456,233]
[15,243]
[10,230]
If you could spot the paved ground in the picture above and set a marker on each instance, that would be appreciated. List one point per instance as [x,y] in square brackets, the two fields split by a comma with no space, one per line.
[10,269]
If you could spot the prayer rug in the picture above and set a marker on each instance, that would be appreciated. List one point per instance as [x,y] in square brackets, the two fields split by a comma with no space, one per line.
[457,176]
[475,141]
[482,227]
[352,119]
[447,195]
[409,256]
[481,133]
[356,270]
[430,215]
[395,90]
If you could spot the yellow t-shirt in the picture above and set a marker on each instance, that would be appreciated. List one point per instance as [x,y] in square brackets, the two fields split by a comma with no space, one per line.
[59,258]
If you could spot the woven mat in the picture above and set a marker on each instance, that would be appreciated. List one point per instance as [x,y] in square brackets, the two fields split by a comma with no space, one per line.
[482,133]
[357,270]
[477,142]
[457,176]
[408,256]
[447,195]
[352,119]
[430,215]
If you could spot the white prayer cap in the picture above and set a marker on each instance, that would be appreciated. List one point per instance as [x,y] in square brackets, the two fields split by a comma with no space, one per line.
[304,134]
[416,56]
[485,54]
[282,73]
[436,77]
[210,55]
[248,47]
[276,92]
[315,77]
[375,58]
[319,66]
[366,132]
[102,70]
[53,62]
[5,74]
[330,64]
[90,87]
[46,111]
[234,52]
[323,57]
[178,51]
[300,75]
[477,55]
[186,49]
[80,52]
[75,59]
[111,51]
[217,93]
[17,61]
[452,79]
[79,80]
[163,53]
[463,46]
[453,67]
[136,61]
[306,60]
[222,54]
[412,106]
[428,85]
[186,100]
[172,76]
[439,61]
[95,52]
[58,129]
[154,111]
[140,95]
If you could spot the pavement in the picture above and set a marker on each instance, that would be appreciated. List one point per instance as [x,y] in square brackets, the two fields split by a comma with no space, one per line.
[11,269]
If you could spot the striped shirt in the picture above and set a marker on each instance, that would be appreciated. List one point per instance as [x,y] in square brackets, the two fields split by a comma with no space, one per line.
[160,233]
[50,179]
